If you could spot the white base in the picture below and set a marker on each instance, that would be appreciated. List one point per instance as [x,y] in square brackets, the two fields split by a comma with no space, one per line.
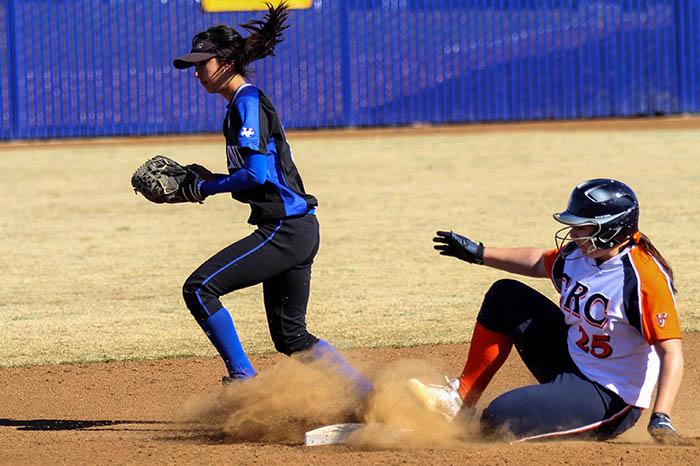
[330,435]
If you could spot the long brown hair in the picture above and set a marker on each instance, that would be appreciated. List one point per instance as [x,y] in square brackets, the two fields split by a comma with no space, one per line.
[263,37]
[644,243]
[264,34]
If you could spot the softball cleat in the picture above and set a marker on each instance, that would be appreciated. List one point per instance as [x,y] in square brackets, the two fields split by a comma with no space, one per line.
[441,399]
[233,379]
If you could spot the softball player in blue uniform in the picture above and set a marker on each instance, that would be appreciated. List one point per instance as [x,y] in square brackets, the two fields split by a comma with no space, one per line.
[598,354]
[261,173]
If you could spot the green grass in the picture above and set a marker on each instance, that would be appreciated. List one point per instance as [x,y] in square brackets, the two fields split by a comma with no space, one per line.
[93,272]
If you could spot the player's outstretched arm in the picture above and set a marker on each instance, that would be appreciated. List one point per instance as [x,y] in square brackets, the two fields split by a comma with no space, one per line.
[251,175]
[671,355]
[523,261]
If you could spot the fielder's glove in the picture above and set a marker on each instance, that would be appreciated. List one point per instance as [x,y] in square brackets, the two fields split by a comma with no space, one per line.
[661,429]
[163,180]
[452,244]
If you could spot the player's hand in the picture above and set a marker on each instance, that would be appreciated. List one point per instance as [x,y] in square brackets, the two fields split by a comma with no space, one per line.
[203,172]
[461,247]
[190,188]
[661,429]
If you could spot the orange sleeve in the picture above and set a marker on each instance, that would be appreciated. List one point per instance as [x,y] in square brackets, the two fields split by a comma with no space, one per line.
[659,316]
[549,258]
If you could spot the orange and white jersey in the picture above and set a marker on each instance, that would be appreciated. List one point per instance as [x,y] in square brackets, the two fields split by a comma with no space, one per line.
[615,311]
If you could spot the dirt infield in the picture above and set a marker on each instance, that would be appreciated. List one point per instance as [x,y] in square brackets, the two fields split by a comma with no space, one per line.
[130,412]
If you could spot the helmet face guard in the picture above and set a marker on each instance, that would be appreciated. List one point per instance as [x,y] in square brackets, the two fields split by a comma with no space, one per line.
[609,205]
[563,236]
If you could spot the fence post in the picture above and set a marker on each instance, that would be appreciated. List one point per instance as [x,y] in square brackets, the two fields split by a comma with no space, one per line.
[12,55]
[345,68]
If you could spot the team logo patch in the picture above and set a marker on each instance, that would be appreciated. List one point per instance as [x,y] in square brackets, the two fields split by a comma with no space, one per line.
[661,319]
[247,132]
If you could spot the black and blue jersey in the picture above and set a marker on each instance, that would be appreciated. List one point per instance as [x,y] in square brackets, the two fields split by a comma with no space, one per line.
[252,127]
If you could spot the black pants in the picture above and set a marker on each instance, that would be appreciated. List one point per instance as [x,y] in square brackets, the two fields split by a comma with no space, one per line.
[565,403]
[278,255]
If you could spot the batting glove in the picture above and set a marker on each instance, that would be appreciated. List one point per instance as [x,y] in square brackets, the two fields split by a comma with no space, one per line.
[190,188]
[461,247]
[661,429]
[202,172]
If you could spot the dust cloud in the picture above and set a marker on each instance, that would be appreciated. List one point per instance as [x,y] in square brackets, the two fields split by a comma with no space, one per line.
[394,418]
[292,398]
[279,405]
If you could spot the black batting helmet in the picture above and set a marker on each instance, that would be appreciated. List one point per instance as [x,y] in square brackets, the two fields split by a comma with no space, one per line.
[609,205]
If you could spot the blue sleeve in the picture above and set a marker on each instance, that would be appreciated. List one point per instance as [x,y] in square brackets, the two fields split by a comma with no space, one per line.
[253,135]
[252,174]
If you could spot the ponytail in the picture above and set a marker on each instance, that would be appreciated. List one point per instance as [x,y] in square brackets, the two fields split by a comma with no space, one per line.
[264,35]
[644,243]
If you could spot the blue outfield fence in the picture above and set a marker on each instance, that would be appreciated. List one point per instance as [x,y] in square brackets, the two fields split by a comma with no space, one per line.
[75,68]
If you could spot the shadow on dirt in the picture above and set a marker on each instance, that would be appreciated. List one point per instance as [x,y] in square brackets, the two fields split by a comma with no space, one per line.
[67,424]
